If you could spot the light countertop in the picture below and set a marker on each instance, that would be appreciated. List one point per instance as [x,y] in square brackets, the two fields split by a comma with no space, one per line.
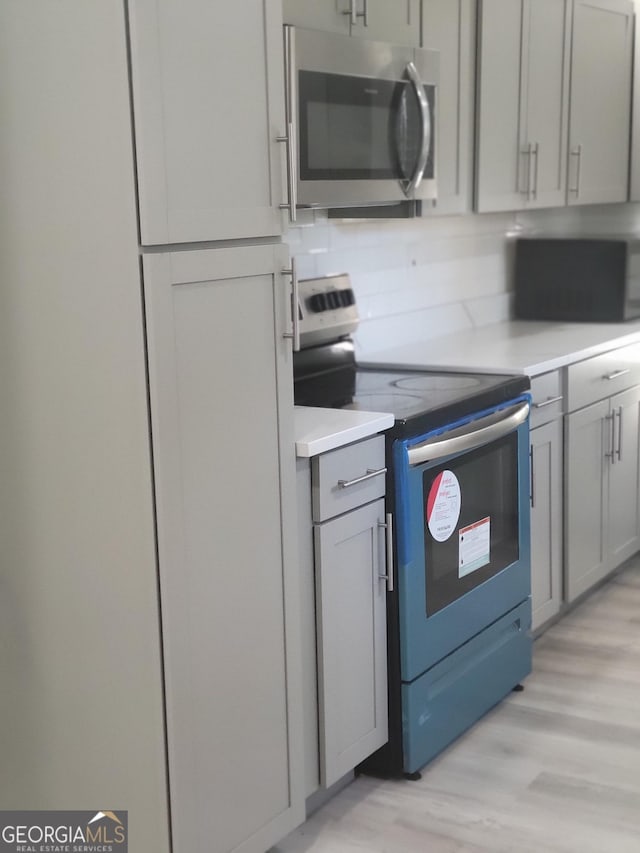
[318,430]
[518,346]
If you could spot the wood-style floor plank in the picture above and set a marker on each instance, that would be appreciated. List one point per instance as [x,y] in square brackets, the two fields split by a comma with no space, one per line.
[554,769]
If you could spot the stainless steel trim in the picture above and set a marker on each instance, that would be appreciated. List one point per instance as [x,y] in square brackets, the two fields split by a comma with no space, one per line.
[532,497]
[610,454]
[619,450]
[421,95]
[548,402]
[471,435]
[294,334]
[388,527]
[345,484]
[576,152]
[617,374]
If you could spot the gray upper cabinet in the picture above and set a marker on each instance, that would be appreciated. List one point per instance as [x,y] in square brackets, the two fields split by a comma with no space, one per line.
[208,104]
[222,421]
[635,130]
[397,22]
[599,126]
[523,75]
[448,26]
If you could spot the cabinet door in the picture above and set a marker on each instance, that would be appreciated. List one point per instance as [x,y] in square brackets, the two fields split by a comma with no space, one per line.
[498,163]
[208,106]
[546,521]
[397,22]
[448,26]
[600,101]
[352,645]
[587,441]
[222,424]
[546,52]
[624,478]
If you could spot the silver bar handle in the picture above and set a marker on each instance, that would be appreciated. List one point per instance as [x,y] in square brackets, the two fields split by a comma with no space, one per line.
[371,473]
[536,154]
[365,13]
[418,86]
[352,12]
[471,435]
[294,334]
[526,152]
[619,450]
[576,152]
[388,526]
[610,454]
[532,496]
[290,205]
[548,402]
[617,374]
[529,178]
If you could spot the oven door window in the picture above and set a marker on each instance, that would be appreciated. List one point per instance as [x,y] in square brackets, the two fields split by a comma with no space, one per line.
[471,520]
[358,128]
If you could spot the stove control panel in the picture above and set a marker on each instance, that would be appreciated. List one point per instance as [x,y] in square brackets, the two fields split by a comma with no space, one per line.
[327,309]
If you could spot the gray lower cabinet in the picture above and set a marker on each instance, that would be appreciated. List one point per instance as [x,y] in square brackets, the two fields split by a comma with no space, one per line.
[448,26]
[222,425]
[397,22]
[600,101]
[352,639]
[208,108]
[342,568]
[546,521]
[602,497]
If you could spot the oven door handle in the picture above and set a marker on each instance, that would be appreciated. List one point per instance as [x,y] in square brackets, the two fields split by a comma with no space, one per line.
[468,437]
[414,78]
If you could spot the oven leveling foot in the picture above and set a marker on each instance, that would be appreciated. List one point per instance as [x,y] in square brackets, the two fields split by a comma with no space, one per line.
[413,777]
[518,688]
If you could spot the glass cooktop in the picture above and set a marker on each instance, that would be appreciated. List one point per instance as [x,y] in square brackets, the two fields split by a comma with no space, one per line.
[422,400]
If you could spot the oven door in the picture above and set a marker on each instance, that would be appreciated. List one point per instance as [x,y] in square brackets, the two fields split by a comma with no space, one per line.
[463,542]
[362,115]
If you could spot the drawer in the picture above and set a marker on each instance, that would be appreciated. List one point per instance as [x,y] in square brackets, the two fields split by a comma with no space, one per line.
[341,479]
[548,400]
[602,376]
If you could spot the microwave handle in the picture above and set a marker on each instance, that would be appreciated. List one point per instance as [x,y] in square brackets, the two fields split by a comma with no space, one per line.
[472,435]
[418,86]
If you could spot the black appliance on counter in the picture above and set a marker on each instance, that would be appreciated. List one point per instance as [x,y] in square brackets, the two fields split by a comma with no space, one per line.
[577,279]
[459,612]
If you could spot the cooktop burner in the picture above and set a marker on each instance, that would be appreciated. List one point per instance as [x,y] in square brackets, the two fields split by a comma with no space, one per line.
[435,382]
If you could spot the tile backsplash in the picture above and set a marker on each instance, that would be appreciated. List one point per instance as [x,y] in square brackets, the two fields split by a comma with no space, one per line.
[426,277]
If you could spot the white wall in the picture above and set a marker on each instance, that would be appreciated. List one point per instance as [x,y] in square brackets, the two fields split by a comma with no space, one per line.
[431,276]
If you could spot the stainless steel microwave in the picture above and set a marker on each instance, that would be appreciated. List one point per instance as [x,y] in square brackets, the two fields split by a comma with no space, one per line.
[361,120]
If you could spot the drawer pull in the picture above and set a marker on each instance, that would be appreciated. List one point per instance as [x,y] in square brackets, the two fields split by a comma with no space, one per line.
[617,373]
[345,484]
[388,526]
[548,402]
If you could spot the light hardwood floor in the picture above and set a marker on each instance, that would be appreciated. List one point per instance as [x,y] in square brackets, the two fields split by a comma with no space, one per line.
[554,768]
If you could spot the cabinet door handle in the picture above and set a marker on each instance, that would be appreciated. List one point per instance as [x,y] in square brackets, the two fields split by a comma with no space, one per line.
[619,450]
[388,527]
[352,11]
[526,152]
[548,402]
[371,473]
[532,496]
[617,374]
[577,153]
[610,454]
[291,204]
[290,138]
[536,154]
[365,13]
[294,334]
